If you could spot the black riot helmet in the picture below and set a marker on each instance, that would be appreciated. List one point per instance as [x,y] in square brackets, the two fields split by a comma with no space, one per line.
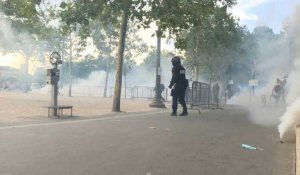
[176,61]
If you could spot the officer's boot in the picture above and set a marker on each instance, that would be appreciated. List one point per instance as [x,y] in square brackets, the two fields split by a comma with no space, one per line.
[174,111]
[184,112]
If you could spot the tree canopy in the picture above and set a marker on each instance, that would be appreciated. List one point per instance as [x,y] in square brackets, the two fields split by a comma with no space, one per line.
[213,42]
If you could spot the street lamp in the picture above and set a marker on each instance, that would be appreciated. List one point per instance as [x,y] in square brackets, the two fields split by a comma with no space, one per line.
[55,59]
[157,100]
[53,78]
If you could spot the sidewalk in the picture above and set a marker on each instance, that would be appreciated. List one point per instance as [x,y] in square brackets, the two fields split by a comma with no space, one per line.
[17,106]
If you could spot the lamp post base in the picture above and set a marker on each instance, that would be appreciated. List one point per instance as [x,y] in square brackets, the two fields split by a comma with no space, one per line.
[157,103]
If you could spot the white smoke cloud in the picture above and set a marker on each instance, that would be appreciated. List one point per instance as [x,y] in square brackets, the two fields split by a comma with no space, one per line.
[289,120]
[291,117]
[18,46]
[293,83]
[274,61]
[94,84]
[281,58]
[8,36]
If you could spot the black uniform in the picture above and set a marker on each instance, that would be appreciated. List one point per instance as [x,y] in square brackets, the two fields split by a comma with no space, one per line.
[179,84]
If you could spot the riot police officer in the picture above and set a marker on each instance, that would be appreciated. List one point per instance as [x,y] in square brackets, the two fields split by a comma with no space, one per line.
[178,84]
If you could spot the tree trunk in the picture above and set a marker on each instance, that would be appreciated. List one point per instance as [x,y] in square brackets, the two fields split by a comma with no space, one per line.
[125,81]
[27,54]
[211,74]
[119,66]
[222,86]
[70,68]
[196,73]
[210,81]
[26,74]
[107,71]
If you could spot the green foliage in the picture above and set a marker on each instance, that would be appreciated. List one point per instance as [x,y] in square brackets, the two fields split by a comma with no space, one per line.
[242,67]
[83,68]
[73,18]
[150,60]
[135,46]
[214,44]
[77,15]
[272,52]
[176,16]
[24,16]
[27,27]
[104,38]
[128,65]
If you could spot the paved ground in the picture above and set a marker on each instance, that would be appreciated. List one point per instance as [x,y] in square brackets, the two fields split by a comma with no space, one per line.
[150,143]
[18,106]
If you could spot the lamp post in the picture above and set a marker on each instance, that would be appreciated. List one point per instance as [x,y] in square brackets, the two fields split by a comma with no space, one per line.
[70,66]
[157,101]
[53,78]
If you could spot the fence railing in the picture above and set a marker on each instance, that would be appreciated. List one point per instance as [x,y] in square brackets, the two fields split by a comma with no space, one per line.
[145,92]
[198,95]
[136,92]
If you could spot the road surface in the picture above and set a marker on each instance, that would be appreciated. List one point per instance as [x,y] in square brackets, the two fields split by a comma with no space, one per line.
[150,143]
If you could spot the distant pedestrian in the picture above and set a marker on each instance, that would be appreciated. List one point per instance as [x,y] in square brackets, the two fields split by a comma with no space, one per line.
[178,84]
[161,89]
[277,91]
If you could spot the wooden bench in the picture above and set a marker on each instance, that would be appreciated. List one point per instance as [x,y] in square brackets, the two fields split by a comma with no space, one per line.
[59,109]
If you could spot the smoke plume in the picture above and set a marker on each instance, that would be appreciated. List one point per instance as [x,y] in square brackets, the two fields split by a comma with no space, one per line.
[291,118]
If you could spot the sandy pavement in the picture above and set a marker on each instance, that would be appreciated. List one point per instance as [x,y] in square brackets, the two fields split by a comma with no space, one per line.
[18,106]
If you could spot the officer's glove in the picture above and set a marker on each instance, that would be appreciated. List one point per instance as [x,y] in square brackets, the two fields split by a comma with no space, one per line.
[170,87]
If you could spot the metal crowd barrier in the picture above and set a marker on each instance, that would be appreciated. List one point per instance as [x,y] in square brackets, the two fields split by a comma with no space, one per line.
[139,92]
[136,92]
[146,92]
[198,95]
[125,92]
[142,92]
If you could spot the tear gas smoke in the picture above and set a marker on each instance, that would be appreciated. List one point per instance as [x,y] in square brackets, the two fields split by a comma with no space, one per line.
[94,84]
[258,113]
[291,117]
[7,33]
[275,60]
[289,120]
[18,49]
[282,60]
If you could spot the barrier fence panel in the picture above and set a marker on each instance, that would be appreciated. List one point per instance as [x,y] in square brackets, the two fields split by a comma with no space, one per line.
[188,96]
[199,95]
[125,93]
[205,95]
[136,92]
[143,92]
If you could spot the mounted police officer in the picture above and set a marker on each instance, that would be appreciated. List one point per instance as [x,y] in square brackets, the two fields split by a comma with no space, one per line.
[178,84]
